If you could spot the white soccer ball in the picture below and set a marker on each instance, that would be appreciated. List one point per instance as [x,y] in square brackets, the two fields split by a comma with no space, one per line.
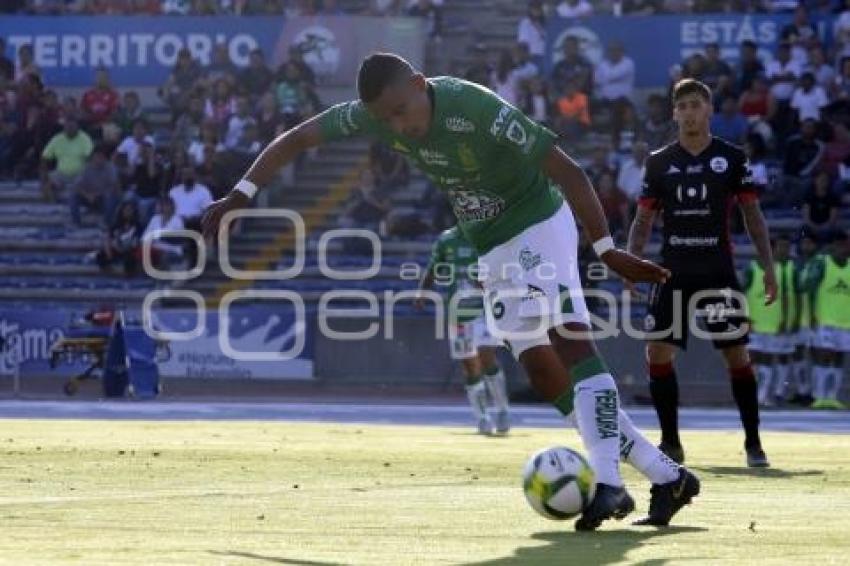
[558,482]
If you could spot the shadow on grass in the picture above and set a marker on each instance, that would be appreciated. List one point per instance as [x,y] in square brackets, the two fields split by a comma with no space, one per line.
[601,547]
[776,473]
[272,559]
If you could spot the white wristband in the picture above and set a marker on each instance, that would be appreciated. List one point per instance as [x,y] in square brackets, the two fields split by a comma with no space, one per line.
[247,188]
[603,245]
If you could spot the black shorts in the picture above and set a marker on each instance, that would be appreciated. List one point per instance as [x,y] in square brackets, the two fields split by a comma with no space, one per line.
[701,303]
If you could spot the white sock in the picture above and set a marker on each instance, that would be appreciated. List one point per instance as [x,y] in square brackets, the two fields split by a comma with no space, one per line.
[821,377]
[764,373]
[597,405]
[801,377]
[837,382]
[477,395]
[643,455]
[496,386]
[783,373]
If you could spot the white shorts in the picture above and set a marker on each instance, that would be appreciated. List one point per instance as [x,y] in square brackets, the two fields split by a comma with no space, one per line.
[466,337]
[829,338]
[531,283]
[772,343]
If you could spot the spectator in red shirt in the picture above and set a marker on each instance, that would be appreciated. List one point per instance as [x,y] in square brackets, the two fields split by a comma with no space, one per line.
[99,103]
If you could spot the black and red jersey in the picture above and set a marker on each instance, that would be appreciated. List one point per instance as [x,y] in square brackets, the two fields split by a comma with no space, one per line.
[695,194]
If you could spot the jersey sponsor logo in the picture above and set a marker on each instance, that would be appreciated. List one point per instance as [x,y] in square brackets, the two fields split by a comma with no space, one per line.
[718,164]
[533,293]
[691,193]
[694,169]
[474,206]
[460,125]
[500,121]
[516,133]
[693,212]
[673,170]
[528,259]
[433,157]
[694,241]
[607,415]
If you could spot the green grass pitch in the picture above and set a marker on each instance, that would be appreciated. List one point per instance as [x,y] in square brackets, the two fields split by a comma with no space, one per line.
[140,492]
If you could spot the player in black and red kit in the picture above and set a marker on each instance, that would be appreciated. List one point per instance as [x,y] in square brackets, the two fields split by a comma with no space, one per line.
[694,183]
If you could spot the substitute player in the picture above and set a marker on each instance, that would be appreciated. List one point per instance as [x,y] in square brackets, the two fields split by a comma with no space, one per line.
[828,279]
[771,341]
[507,181]
[452,268]
[807,248]
[694,182]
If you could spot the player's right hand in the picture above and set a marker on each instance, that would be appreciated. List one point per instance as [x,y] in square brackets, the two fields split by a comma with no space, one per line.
[211,219]
[634,269]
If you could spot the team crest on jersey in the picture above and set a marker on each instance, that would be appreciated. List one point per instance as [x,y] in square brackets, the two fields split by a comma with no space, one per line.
[460,125]
[719,164]
[528,259]
[474,206]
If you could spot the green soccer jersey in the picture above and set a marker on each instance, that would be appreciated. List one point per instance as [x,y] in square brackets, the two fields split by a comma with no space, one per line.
[453,261]
[484,153]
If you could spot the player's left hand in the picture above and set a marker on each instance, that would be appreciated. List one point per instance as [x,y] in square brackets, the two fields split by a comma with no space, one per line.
[634,269]
[770,288]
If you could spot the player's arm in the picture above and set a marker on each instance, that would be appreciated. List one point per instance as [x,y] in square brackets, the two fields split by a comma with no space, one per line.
[581,197]
[647,208]
[427,280]
[757,229]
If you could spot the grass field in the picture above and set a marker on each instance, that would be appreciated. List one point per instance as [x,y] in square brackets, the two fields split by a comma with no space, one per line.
[113,493]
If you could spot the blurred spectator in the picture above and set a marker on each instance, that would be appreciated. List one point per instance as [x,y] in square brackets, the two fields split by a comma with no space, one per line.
[176,7]
[729,124]
[572,119]
[574,9]
[836,147]
[383,7]
[841,85]
[640,7]
[187,128]
[121,242]
[783,73]
[659,129]
[256,78]
[532,31]
[630,177]
[246,148]
[614,79]
[146,181]
[7,67]
[99,103]
[505,81]
[694,67]
[190,199]
[367,206]
[614,204]
[535,101]
[481,70]
[163,250]
[305,71]
[69,149]
[715,67]
[198,149]
[725,89]
[289,97]
[26,63]
[432,12]
[131,146]
[389,168]
[823,72]
[128,112]
[756,151]
[820,209]
[221,67]
[237,122]
[808,98]
[600,164]
[573,66]
[181,81]
[757,102]
[799,33]
[841,31]
[221,103]
[749,65]
[96,188]
[332,8]
[803,154]
[268,117]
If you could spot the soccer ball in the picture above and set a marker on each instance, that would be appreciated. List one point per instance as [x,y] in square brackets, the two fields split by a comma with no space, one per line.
[558,482]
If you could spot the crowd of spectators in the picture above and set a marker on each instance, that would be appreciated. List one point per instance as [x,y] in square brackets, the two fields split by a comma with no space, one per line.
[789,109]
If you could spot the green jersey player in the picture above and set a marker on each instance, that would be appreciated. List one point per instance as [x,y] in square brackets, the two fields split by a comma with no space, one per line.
[507,182]
[453,268]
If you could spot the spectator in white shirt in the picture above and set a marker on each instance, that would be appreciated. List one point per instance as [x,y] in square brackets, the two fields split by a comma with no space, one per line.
[237,122]
[574,9]
[808,98]
[525,68]
[190,198]
[504,80]
[532,31]
[614,78]
[783,73]
[841,27]
[165,220]
[132,144]
[630,177]
[824,73]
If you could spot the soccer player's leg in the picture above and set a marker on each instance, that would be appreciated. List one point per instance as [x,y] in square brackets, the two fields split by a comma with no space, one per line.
[462,349]
[666,332]
[760,357]
[745,391]
[823,355]
[800,371]
[494,378]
